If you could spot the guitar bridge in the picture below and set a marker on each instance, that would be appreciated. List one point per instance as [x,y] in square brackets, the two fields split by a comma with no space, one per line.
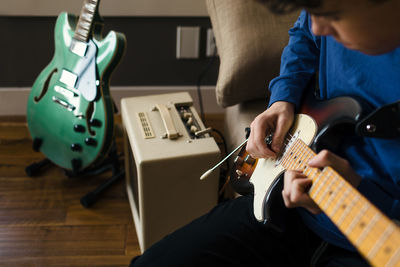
[63,103]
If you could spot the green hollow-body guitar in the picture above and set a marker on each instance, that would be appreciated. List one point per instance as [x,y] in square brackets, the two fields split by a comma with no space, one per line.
[70,112]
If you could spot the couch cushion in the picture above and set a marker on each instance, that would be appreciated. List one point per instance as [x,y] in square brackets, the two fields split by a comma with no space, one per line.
[249,39]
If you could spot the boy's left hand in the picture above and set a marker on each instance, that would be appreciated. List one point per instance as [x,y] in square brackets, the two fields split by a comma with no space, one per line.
[296,184]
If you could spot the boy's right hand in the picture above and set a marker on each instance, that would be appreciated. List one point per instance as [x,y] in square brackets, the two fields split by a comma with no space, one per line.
[277,119]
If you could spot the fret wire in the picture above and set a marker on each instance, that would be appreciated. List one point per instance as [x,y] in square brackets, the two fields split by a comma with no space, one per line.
[325,187]
[357,205]
[309,154]
[90,7]
[383,237]
[285,156]
[317,186]
[349,207]
[85,21]
[304,157]
[395,258]
[297,155]
[335,192]
[367,229]
[293,152]
[372,230]
[342,198]
[356,219]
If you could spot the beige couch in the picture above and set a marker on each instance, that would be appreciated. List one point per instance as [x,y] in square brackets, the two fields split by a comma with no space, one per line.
[250,40]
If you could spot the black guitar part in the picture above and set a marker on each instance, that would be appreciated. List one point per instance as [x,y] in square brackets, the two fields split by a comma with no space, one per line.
[384,122]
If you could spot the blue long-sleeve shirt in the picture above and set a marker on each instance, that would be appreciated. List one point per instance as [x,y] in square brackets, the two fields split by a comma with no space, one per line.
[343,72]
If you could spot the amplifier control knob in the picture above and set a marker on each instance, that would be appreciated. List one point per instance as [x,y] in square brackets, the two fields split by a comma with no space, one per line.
[189,121]
[187,115]
[193,129]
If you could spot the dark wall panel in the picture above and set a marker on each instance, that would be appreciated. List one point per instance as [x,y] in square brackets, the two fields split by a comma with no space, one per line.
[27,46]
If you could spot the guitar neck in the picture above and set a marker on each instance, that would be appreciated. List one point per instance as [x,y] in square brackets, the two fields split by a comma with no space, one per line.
[88,12]
[368,229]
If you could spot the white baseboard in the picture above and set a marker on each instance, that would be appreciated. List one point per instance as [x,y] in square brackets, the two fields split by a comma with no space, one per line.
[13,100]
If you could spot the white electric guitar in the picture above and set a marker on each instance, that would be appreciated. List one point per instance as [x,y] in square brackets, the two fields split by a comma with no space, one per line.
[375,236]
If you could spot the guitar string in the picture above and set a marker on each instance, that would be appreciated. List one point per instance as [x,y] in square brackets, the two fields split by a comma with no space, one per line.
[356,204]
[375,228]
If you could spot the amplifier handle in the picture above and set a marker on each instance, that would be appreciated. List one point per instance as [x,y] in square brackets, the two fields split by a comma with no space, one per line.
[172,133]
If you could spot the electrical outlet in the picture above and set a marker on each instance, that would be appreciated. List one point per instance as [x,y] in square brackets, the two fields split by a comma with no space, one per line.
[187,42]
[211,47]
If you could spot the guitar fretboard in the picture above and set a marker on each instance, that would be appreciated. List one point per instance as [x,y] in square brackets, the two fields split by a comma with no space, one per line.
[82,31]
[367,228]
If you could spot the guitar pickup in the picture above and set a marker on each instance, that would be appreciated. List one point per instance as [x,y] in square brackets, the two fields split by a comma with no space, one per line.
[68,78]
[63,103]
[78,48]
[64,91]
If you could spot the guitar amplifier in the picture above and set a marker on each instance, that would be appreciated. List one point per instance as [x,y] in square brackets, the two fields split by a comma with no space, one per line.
[167,149]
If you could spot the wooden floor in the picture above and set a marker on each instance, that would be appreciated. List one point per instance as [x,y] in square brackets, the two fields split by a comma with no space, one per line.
[42,222]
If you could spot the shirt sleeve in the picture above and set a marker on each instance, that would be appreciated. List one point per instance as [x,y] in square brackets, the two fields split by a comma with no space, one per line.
[384,201]
[299,63]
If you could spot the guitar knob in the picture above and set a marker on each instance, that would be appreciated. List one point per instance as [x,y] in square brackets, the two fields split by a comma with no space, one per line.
[238,161]
[95,123]
[189,122]
[249,160]
[90,141]
[79,128]
[76,164]
[76,147]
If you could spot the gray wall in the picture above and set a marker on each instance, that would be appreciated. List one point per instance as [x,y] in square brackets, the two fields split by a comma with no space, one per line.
[27,46]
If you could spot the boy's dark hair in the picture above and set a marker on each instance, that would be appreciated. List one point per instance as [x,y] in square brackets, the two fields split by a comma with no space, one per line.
[284,6]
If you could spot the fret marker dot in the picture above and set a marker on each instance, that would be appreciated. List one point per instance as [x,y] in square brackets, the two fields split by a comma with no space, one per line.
[343,206]
[388,250]
[362,224]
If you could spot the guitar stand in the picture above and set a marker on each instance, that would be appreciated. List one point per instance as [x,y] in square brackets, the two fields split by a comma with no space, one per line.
[111,162]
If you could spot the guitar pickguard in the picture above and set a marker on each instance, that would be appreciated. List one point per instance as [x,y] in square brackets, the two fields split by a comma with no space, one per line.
[86,72]
[268,170]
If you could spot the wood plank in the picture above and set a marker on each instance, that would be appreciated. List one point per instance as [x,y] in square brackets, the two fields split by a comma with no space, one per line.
[67,261]
[111,212]
[42,222]
[66,240]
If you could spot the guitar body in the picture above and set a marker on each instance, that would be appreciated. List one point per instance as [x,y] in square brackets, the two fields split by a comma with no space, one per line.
[321,125]
[375,236]
[71,125]
[266,176]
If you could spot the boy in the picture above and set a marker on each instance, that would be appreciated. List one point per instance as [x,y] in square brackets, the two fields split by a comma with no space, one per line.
[353,46]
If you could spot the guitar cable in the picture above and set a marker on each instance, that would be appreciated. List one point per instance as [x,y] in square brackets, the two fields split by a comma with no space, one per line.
[223,177]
